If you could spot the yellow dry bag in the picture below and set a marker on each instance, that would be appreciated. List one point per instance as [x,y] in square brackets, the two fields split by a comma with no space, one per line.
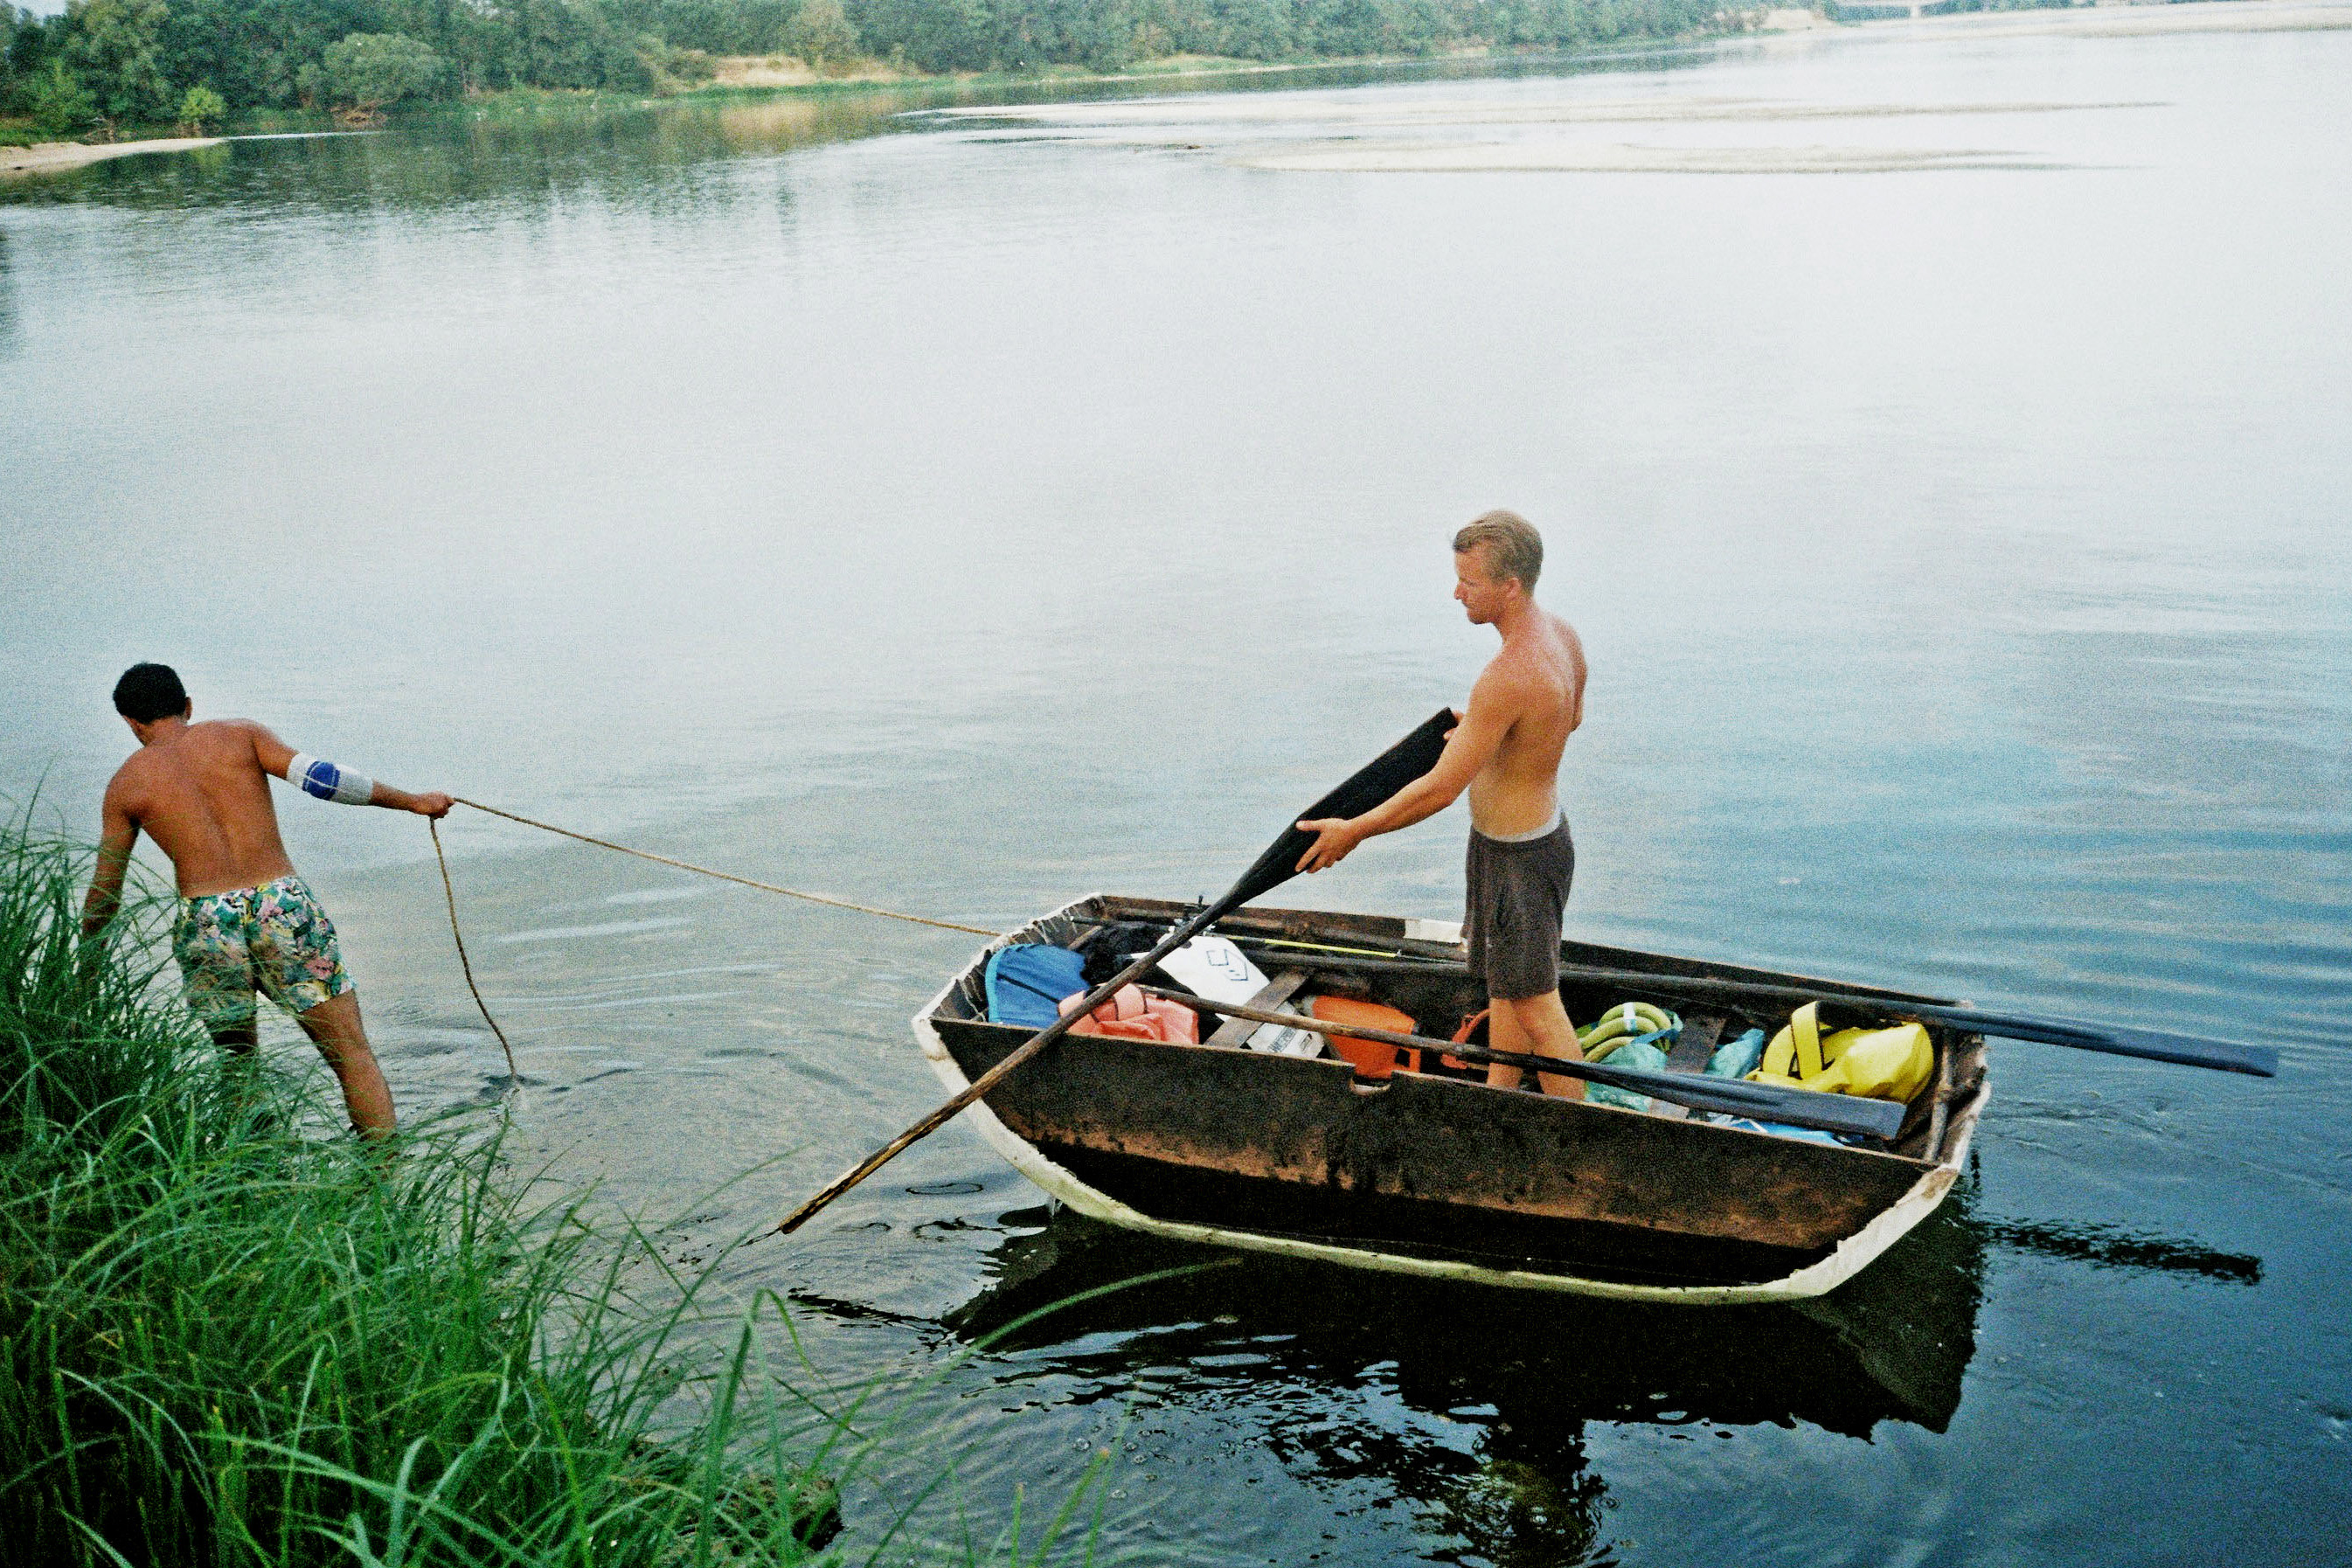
[1877,1064]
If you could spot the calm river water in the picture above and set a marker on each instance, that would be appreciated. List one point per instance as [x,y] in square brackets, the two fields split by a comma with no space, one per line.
[962,512]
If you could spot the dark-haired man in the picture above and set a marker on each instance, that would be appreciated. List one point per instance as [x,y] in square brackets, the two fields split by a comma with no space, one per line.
[1506,751]
[246,921]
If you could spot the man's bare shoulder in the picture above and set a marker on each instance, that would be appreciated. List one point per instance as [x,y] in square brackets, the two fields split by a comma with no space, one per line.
[228,735]
[1561,654]
[1512,679]
[132,790]
[129,777]
[1537,658]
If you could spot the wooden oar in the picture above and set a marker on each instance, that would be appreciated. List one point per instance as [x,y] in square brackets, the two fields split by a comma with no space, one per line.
[2151,1045]
[1383,777]
[1734,1097]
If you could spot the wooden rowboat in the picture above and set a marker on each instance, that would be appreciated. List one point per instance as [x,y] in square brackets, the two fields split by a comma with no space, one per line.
[1439,1175]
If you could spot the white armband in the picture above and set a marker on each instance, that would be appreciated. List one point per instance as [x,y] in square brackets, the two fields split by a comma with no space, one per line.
[316,775]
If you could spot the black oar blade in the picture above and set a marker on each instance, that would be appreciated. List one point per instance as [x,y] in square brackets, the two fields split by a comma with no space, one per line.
[1734,1097]
[1381,778]
[2153,1045]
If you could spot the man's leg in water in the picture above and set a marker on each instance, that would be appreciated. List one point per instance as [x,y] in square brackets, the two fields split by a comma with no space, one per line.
[334,1026]
[241,1042]
[1537,1026]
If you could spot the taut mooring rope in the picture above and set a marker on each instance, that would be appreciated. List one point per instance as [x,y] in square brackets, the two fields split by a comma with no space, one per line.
[449,892]
[722,876]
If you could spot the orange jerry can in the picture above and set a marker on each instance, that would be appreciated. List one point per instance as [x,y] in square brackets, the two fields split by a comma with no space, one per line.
[1371,1059]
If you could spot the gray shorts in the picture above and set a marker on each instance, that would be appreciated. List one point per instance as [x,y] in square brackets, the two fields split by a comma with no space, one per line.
[1519,888]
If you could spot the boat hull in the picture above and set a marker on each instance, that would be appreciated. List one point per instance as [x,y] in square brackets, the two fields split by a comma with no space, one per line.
[1434,1176]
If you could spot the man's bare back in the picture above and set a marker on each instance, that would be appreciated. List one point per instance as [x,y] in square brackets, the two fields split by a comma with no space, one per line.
[202,793]
[1538,680]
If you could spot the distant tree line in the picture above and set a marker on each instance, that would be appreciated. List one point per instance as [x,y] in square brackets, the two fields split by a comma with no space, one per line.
[105,63]
[982,35]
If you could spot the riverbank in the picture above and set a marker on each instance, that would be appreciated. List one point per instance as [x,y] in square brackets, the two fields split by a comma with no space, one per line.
[756,72]
[762,77]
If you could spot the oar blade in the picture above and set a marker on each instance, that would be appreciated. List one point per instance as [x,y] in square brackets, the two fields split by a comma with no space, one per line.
[1378,779]
[2151,1045]
[1732,1097]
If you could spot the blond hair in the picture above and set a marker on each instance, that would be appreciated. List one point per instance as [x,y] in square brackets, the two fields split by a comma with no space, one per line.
[1513,548]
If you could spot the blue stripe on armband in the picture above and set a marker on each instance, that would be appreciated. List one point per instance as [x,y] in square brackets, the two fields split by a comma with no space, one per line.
[319,777]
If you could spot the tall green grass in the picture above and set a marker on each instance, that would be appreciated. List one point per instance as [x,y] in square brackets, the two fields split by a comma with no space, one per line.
[226,1339]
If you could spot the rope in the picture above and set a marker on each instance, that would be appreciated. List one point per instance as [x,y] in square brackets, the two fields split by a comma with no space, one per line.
[703,871]
[449,892]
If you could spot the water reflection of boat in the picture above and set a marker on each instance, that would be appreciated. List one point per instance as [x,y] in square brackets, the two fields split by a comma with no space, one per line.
[1478,1408]
[1892,1347]
[1439,1175]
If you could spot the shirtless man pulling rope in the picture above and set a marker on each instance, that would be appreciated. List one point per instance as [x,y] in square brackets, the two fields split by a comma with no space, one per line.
[246,921]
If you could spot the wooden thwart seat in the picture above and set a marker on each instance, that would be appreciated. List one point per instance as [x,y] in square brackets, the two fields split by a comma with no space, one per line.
[1271,996]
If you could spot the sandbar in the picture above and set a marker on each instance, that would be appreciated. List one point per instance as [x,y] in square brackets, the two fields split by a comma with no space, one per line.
[54,157]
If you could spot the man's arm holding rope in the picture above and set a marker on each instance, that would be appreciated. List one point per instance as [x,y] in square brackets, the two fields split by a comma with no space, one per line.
[331,781]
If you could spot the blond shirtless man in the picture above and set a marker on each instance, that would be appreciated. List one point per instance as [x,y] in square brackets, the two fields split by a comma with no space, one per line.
[1506,751]
[246,921]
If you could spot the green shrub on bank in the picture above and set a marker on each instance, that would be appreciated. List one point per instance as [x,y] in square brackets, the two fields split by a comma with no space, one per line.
[368,72]
[675,70]
[58,106]
[115,49]
[225,1341]
[200,110]
[820,32]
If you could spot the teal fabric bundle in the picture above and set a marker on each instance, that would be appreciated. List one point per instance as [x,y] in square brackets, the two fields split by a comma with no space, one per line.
[1640,1053]
[1739,1058]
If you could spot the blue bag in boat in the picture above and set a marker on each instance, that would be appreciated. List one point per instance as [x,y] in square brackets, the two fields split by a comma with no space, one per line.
[1027,981]
[1781,1129]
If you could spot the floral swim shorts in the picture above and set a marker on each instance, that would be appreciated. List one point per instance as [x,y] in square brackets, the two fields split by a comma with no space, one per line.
[274,939]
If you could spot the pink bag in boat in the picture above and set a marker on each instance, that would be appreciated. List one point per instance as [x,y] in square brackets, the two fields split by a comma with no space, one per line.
[1130,1015]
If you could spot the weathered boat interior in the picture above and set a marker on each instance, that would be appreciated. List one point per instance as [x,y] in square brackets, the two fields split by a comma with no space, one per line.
[1429,1162]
